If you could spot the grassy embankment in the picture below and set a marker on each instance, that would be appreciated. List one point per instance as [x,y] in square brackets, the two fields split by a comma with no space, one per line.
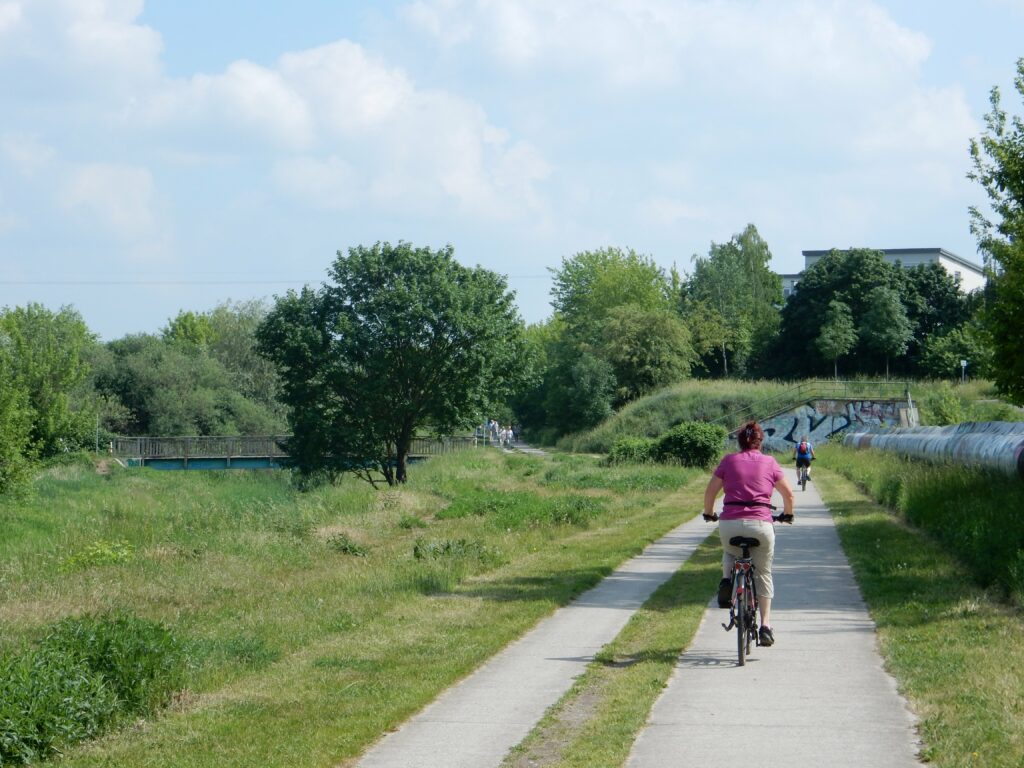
[946,603]
[315,622]
[705,400]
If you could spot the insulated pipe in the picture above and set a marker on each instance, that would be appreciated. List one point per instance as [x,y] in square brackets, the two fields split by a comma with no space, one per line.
[994,444]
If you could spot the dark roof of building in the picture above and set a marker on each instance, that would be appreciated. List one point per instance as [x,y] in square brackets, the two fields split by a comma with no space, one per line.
[897,252]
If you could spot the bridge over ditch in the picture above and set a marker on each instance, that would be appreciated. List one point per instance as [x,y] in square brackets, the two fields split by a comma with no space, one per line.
[244,452]
[823,408]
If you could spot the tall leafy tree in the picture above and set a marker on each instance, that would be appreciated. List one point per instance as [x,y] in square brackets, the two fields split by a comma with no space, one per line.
[15,422]
[646,349]
[403,339]
[150,385]
[998,165]
[733,297]
[47,359]
[838,334]
[591,284]
[844,276]
[885,327]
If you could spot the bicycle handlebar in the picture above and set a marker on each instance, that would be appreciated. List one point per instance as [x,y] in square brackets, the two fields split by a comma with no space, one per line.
[783,518]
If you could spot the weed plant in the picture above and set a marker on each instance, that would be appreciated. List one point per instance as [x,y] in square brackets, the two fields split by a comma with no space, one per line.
[86,673]
[975,514]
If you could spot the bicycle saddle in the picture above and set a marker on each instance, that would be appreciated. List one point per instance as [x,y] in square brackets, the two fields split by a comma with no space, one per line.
[740,541]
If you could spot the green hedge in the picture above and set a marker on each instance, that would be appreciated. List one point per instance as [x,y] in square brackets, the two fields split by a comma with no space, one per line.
[632,450]
[85,675]
[975,514]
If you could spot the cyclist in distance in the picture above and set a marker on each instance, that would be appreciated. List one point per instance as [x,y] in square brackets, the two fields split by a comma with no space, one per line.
[803,452]
[748,478]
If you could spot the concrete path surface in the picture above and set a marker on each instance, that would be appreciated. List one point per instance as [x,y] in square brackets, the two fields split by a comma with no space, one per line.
[819,696]
[476,722]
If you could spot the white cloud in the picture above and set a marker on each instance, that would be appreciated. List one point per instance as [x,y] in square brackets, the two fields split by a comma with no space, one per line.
[118,197]
[27,154]
[354,117]
[97,43]
[10,17]
[329,183]
[735,43]
[246,98]
[665,211]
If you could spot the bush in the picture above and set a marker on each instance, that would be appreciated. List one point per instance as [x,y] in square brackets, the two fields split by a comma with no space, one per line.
[343,543]
[87,673]
[140,660]
[692,444]
[632,450]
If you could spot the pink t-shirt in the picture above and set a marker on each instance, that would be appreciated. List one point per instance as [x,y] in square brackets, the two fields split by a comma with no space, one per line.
[748,476]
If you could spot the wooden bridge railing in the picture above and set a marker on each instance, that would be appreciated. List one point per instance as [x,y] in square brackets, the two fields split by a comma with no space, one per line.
[262,446]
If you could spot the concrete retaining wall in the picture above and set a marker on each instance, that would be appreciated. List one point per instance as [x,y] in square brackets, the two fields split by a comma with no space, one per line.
[821,419]
[994,444]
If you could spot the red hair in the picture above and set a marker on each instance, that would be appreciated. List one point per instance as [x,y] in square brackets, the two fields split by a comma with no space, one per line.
[750,436]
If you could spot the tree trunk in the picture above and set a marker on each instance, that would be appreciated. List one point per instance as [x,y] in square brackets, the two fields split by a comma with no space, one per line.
[400,474]
[725,361]
[886,367]
[402,447]
[835,367]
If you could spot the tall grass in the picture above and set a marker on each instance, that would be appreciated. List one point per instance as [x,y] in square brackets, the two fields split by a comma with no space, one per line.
[975,514]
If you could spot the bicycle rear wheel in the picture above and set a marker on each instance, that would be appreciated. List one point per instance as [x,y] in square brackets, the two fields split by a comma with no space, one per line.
[740,607]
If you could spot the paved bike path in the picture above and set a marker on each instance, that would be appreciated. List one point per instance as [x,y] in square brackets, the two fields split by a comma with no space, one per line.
[476,722]
[819,696]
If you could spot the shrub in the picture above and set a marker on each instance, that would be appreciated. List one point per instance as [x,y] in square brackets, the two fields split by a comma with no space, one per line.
[99,553]
[692,444]
[139,659]
[343,543]
[86,673]
[632,450]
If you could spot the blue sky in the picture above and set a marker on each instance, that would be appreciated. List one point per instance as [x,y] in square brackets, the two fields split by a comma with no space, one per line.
[159,156]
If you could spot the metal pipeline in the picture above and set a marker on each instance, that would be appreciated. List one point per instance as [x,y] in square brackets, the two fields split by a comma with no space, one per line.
[994,444]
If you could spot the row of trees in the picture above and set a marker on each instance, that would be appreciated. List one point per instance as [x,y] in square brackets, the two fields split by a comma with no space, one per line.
[623,327]
[407,339]
[62,390]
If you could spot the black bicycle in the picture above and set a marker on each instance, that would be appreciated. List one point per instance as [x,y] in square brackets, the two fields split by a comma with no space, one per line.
[743,611]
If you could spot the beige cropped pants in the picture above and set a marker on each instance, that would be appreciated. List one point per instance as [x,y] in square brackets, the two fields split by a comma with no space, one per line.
[761,555]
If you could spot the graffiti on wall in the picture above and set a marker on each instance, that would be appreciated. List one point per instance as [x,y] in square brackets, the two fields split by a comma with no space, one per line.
[823,418]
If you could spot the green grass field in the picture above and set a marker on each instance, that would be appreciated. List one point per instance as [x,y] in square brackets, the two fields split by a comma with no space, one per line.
[315,622]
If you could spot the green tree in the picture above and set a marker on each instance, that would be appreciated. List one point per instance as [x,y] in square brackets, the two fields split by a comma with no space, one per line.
[884,326]
[647,349]
[844,276]
[733,298]
[190,330]
[233,344]
[47,353]
[941,354]
[592,283]
[404,339]
[15,423]
[583,394]
[149,386]
[838,334]
[998,165]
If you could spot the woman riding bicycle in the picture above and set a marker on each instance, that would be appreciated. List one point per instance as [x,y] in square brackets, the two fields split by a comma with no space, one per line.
[749,477]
